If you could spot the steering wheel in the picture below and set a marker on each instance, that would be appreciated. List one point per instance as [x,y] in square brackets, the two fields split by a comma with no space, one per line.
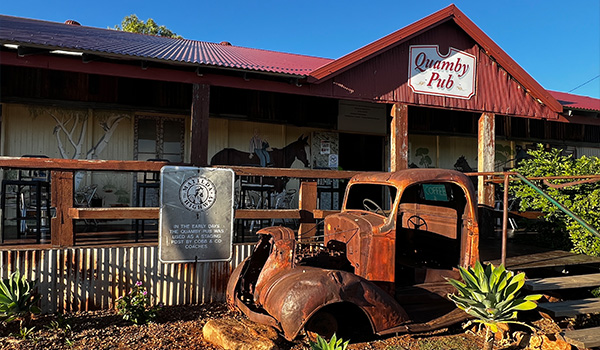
[373,207]
[415,222]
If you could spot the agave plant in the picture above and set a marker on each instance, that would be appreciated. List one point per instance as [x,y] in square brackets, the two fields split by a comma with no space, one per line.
[333,344]
[490,295]
[17,300]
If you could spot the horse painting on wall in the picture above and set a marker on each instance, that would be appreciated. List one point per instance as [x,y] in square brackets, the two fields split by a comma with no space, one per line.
[280,157]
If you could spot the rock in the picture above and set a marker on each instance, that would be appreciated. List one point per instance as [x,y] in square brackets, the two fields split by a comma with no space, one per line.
[535,342]
[235,335]
[522,338]
[502,333]
[262,330]
[548,342]
[555,342]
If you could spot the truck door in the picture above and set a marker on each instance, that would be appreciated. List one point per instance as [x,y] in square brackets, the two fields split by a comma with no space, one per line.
[428,230]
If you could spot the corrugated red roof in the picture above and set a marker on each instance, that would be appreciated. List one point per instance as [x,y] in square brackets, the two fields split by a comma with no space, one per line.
[571,101]
[107,42]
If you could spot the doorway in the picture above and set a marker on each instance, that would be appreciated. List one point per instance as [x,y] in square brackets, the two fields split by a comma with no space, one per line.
[159,138]
[362,152]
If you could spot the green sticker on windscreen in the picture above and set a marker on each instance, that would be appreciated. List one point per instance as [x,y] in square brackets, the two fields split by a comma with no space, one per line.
[435,192]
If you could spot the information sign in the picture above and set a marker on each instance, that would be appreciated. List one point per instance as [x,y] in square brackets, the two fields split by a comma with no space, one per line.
[196,214]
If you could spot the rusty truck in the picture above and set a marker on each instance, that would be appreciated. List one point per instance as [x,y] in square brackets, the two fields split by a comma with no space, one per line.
[381,265]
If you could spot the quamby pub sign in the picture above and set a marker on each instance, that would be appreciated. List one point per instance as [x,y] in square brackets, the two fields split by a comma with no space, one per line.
[432,73]
[196,214]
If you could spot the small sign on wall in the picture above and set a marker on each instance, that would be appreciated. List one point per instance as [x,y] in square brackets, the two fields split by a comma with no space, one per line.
[196,214]
[432,73]
[324,147]
[363,117]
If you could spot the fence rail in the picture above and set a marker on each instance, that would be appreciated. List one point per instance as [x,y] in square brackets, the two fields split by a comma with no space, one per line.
[62,185]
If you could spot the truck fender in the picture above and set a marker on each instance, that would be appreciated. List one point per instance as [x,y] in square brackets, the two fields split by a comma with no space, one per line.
[297,294]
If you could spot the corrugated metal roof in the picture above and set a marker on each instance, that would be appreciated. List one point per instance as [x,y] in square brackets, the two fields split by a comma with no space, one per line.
[571,101]
[52,35]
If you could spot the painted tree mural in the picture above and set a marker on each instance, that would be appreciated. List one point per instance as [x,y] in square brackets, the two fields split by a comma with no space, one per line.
[71,131]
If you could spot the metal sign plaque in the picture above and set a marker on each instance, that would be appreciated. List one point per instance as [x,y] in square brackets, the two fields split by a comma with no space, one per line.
[196,214]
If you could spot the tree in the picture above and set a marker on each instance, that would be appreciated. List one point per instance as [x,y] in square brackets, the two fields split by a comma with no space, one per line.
[133,24]
[581,197]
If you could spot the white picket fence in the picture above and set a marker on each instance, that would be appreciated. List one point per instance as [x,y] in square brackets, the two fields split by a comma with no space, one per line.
[73,279]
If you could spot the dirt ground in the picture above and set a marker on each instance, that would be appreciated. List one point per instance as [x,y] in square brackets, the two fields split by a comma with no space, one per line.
[180,327]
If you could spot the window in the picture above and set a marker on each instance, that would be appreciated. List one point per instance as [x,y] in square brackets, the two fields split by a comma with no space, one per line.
[371,196]
[159,138]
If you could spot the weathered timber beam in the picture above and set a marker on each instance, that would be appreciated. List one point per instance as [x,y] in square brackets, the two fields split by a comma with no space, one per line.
[136,165]
[79,164]
[307,202]
[199,116]
[288,172]
[62,228]
[152,213]
[486,151]
[399,137]
[113,213]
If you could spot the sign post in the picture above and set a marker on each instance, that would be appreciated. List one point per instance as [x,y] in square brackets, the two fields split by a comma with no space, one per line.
[196,214]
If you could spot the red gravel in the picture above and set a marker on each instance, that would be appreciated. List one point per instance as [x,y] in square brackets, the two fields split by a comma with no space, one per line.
[180,327]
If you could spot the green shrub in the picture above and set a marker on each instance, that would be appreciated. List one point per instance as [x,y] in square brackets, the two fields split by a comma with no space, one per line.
[135,306]
[25,333]
[333,344]
[17,299]
[61,326]
[582,199]
[490,295]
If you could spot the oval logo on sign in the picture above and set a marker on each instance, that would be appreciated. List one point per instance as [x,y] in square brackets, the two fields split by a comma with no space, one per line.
[197,193]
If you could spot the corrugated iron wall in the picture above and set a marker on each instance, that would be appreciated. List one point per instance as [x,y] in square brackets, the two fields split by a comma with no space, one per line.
[74,279]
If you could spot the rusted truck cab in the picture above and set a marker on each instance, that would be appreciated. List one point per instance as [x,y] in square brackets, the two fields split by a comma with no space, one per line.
[382,262]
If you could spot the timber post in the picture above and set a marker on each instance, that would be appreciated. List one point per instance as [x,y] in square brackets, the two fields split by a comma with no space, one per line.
[307,203]
[399,137]
[199,125]
[62,227]
[486,152]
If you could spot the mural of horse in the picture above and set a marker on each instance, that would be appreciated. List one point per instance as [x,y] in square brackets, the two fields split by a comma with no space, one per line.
[463,165]
[280,157]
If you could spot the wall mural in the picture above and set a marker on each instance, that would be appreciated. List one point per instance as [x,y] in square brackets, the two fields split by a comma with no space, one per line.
[424,159]
[279,157]
[463,165]
[71,128]
[71,133]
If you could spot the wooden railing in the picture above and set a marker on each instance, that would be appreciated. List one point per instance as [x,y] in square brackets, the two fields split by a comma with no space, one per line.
[62,187]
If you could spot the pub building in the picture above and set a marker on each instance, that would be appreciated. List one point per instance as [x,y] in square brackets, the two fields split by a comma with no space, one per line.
[437,93]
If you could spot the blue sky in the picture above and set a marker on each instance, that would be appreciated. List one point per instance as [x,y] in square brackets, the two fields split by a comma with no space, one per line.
[556,42]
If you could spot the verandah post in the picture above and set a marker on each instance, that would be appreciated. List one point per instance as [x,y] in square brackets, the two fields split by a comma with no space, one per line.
[399,137]
[486,153]
[199,125]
